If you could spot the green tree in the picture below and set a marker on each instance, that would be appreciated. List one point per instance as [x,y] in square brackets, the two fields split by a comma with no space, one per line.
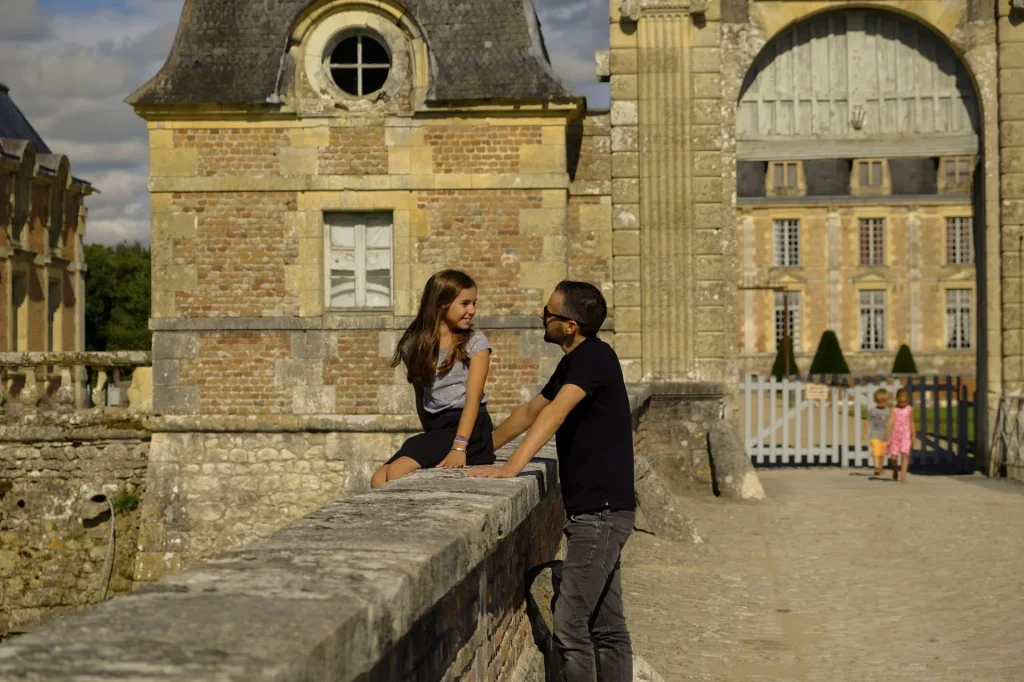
[829,357]
[779,366]
[117,297]
[904,363]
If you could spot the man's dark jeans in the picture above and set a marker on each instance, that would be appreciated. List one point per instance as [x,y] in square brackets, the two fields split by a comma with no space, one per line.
[590,626]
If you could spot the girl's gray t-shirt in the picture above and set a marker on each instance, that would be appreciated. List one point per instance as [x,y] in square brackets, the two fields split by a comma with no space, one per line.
[448,392]
[878,417]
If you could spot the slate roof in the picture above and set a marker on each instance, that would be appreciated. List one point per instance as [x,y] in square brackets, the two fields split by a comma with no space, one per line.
[14,125]
[233,51]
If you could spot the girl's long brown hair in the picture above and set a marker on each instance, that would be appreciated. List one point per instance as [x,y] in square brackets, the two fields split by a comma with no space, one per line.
[420,345]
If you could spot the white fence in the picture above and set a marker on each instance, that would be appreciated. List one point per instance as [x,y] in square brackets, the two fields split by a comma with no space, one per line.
[807,422]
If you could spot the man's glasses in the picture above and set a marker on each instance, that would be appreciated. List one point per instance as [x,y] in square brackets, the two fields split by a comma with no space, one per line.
[547,315]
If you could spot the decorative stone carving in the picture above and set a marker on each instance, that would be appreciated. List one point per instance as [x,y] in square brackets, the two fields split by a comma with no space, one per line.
[632,9]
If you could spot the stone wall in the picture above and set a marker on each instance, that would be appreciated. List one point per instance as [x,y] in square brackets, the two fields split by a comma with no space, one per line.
[55,551]
[422,579]
[673,433]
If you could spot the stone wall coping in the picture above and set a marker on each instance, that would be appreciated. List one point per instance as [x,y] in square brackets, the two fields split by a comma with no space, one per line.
[335,322]
[688,389]
[324,598]
[122,358]
[44,427]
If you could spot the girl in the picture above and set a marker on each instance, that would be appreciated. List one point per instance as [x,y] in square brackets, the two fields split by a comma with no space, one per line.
[446,362]
[900,434]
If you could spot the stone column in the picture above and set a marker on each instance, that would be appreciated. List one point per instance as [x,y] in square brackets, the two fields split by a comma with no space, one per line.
[914,280]
[1011,128]
[835,276]
[671,340]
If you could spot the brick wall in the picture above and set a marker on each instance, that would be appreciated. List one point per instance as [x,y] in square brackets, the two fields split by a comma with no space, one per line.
[484,233]
[233,151]
[233,262]
[234,373]
[479,148]
[354,150]
[359,372]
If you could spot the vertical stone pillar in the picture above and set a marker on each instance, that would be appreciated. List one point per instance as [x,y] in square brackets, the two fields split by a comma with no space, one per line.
[835,276]
[1011,136]
[915,333]
[675,331]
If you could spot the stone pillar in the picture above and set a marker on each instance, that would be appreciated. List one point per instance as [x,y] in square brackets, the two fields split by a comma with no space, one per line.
[1011,128]
[835,276]
[679,324]
[914,280]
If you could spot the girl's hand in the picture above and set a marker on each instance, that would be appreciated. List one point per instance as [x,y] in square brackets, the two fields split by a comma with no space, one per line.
[454,460]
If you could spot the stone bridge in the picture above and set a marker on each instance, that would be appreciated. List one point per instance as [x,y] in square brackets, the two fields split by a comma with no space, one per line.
[836,576]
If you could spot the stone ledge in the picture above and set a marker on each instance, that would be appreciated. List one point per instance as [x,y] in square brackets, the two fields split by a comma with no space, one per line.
[687,389]
[335,322]
[332,596]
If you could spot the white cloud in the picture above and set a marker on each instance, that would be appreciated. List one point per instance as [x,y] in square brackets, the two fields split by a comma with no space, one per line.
[22,21]
[71,81]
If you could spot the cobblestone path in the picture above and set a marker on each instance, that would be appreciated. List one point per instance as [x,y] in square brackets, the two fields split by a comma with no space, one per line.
[838,577]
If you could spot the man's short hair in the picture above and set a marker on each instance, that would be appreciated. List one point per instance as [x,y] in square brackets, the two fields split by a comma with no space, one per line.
[584,303]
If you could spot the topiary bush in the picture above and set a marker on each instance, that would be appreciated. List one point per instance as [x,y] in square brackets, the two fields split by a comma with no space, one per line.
[904,363]
[828,359]
[779,366]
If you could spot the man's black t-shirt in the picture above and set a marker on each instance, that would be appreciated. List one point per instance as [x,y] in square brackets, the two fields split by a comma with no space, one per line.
[595,443]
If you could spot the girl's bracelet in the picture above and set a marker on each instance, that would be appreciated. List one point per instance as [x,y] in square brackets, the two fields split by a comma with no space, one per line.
[455,449]
[461,439]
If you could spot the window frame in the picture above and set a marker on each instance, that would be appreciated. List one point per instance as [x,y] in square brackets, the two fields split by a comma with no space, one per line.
[795,320]
[962,178]
[359,66]
[790,241]
[875,254]
[873,316]
[361,249]
[960,238]
[790,170]
[959,319]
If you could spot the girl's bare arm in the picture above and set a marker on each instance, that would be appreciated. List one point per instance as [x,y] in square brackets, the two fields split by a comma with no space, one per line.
[479,365]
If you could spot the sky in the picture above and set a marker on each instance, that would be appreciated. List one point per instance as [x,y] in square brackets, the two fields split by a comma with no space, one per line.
[71,63]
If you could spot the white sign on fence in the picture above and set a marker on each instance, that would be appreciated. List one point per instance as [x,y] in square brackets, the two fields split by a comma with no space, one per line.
[817,392]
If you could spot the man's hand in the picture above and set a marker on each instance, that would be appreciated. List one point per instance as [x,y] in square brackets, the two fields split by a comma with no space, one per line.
[454,460]
[503,471]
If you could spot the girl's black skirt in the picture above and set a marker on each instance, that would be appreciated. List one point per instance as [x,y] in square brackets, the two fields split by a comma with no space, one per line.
[430,448]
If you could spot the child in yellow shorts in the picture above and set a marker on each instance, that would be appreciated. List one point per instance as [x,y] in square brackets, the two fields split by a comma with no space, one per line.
[876,423]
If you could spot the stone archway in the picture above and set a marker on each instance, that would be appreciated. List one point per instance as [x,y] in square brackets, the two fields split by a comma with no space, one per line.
[796,98]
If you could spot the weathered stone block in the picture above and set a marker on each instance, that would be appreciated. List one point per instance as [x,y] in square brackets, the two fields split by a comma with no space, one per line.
[543,221]
[628,319]
[707,111]
[298,161]
[626,217]
[623,61]
[625,139]
[628,344]
[626,242]
[314,399]
[542,158]
[174,225]
[625,165]
[625,113]
[176,400]
[627,293]
[175,346]
[624,87]
[173,162]
[626,191]
[626,269]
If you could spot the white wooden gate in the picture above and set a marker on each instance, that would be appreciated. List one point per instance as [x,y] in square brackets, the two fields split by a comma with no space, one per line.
[784,423]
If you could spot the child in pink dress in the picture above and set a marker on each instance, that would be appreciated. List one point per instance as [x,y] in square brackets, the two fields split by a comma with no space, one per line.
[901,435]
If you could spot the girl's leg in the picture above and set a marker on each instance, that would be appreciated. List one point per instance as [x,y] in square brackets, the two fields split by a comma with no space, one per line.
[905,467]
[878,465]
[400,467]
[894,460]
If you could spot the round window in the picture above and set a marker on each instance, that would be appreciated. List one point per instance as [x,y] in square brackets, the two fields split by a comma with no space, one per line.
[360,65]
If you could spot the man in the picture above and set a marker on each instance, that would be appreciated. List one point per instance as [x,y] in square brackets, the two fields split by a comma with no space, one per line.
[586,404]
